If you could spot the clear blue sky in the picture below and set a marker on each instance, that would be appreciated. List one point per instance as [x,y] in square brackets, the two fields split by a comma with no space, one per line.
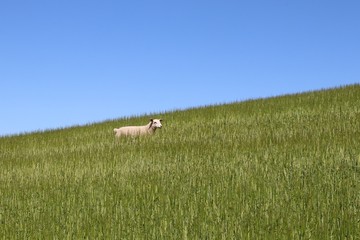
[75,62]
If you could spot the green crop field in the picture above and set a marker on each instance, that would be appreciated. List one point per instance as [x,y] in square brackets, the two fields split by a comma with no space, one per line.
[286,167]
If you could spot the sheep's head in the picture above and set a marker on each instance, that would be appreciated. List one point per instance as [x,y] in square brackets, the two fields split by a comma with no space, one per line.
[156,123]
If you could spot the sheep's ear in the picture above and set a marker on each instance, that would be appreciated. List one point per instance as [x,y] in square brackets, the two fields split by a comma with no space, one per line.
[160,120]
[151,120]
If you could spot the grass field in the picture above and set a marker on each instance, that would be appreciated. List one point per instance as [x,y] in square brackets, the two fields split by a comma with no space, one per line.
[280,168]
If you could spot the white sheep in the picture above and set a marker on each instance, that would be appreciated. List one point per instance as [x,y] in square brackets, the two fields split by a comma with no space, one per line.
[150,128]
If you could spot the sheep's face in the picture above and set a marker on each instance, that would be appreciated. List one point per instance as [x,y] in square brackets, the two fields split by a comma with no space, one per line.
[156,123]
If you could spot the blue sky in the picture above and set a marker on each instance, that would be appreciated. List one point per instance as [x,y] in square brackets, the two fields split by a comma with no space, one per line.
[65,63]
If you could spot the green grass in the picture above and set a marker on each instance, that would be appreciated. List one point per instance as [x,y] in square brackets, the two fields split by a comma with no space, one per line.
[280,168]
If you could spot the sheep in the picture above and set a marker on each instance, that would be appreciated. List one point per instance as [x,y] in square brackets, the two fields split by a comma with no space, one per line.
[150,128]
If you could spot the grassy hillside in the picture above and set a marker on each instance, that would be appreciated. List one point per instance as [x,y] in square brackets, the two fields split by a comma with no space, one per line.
[279,168]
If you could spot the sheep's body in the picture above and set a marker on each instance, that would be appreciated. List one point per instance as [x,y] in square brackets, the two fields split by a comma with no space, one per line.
[148,129]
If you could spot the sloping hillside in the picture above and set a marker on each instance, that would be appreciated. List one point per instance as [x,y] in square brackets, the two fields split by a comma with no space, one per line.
[284,168]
